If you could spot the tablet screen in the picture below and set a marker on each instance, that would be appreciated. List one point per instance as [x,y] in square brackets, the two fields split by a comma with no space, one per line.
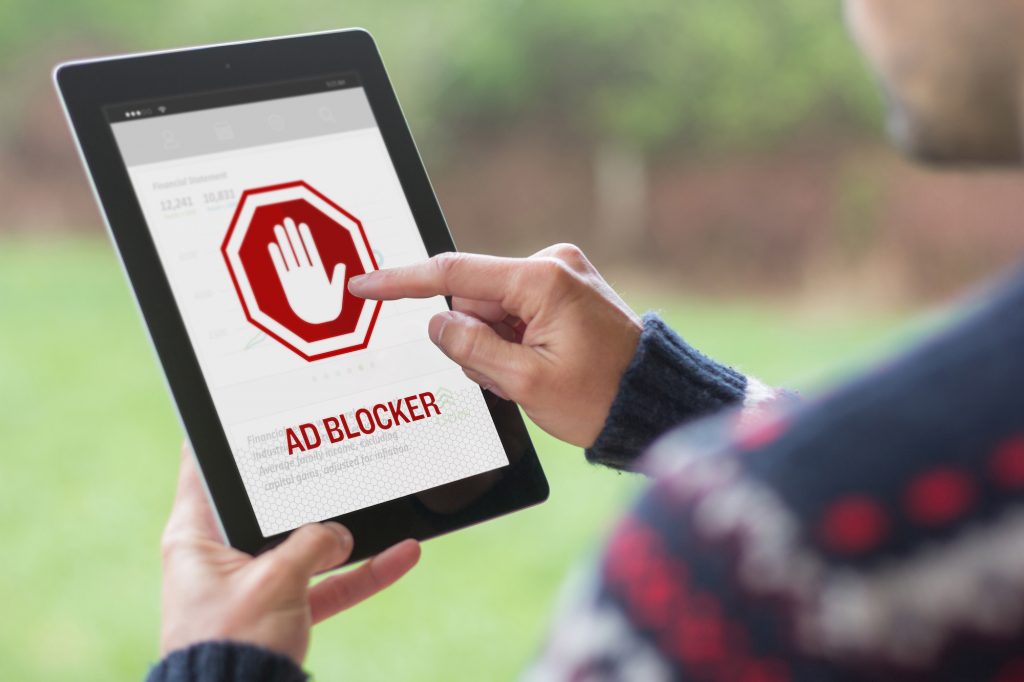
[262,203]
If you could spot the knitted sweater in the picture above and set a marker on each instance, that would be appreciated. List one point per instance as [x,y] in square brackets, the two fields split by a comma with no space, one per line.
[876,532]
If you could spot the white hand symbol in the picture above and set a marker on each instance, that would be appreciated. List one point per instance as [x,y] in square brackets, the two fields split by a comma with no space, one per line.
[312,296]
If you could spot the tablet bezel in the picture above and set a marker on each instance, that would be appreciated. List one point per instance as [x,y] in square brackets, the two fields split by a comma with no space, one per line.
[87,87]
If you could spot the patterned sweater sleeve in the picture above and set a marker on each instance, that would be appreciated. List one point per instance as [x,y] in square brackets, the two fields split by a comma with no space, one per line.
[668,383]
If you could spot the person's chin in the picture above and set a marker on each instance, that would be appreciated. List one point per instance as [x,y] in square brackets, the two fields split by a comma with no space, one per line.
[949,150]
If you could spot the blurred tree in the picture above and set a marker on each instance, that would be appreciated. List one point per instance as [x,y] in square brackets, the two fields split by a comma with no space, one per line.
[701,72]
[632,79]
[625,81]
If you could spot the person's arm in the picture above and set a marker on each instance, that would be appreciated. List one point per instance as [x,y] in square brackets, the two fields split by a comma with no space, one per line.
[874,533]
[550,334]
[668,383]
[228,616]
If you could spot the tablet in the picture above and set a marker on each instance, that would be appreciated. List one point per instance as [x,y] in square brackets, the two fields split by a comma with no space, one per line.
[243,185]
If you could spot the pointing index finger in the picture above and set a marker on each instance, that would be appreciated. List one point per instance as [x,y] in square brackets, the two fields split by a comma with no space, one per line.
[466,275]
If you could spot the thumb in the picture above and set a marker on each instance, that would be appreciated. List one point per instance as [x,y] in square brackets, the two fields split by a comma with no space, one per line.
[475,346]
[311,549]
[338,279]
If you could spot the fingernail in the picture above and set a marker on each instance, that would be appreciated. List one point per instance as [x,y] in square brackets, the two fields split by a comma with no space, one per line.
[343,533]
[437,324]
[355,282]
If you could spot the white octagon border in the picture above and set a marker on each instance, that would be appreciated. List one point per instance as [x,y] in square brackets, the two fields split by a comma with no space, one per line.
[308,349]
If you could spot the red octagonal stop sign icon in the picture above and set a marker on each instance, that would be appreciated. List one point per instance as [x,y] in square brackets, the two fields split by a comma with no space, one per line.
[290,251]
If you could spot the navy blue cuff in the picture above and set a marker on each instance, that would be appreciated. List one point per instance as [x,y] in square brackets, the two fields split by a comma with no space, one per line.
[667,383]
[226,662]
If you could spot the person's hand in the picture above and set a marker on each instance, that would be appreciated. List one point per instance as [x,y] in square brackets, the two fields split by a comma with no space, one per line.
[546,331]
[214,592]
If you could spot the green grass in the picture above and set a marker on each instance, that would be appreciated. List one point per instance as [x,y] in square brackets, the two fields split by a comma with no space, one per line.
[90,442]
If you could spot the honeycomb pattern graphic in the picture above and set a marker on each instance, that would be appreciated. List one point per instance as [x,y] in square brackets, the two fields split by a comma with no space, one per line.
[288,491]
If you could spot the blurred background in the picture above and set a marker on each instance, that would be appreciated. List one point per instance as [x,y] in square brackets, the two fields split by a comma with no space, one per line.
[721,162]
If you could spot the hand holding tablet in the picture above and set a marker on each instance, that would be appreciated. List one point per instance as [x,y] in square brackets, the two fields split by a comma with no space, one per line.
[244,185]
[213,592]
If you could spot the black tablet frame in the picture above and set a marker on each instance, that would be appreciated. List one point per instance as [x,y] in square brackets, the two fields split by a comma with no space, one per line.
[87,87]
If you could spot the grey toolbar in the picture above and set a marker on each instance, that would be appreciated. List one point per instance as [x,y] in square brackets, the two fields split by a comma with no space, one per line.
[179,136]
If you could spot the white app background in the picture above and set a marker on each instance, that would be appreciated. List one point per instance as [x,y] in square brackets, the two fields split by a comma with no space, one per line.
[260,387]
